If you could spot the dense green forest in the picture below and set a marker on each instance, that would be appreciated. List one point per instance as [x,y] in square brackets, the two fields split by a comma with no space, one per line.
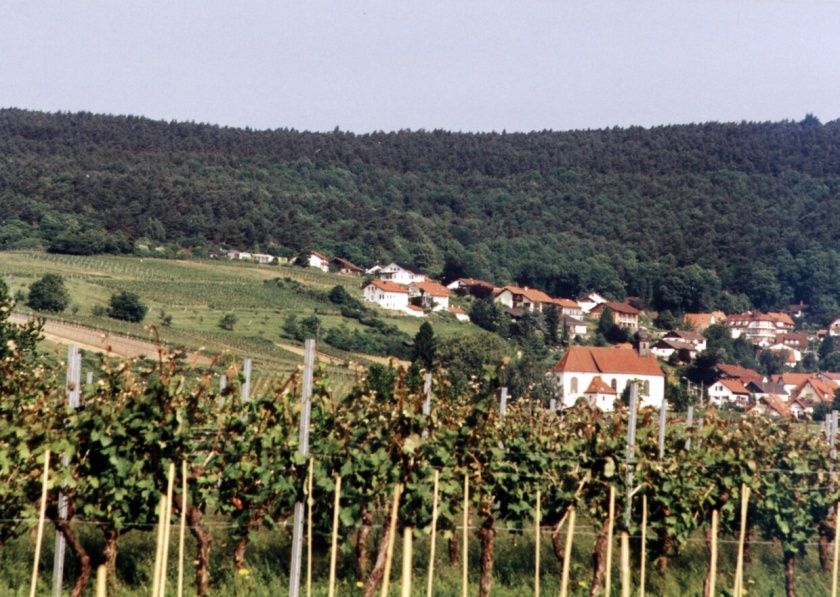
[684,217]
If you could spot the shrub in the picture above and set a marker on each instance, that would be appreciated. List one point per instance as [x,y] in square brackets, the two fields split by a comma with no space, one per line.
[48,294]
[127,306]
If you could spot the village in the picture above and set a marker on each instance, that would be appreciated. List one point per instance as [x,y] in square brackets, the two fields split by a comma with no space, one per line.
[601,374]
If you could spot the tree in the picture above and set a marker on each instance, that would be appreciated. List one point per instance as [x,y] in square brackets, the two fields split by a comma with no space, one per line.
[227,321]
[127,306]
[553,324]
[486,314]
[831,362]
[607,328]
[48,294]
[425,346]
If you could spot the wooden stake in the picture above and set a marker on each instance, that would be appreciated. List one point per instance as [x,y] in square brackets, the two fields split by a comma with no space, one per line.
[310,501]
[610,526]
[537,519]
[182,530]
[714,552]
[643,554]
[334,543]
[392,537]
[435,498]
[167,527]
[407,560]
[42,511]
[159,547]
[625,564]
[465,544]
[836,551]
[739,565]
[567,559]
[101,581]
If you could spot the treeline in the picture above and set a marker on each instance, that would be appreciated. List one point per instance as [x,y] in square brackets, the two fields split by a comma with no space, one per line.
[684,217]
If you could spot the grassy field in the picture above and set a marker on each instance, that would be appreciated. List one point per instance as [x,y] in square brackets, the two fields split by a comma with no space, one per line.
[268,557]
[197,293]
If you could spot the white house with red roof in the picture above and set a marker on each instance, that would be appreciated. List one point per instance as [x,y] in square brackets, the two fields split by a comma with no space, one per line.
[319,260]
[394,272]
[599,394]
[524,299]
[429,295]
[459,314]
[590,301]
[729,391]
[615,367]
[387,295]
[624,315]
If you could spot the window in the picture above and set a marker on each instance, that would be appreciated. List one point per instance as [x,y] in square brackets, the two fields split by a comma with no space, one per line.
[614,385]
[573,385]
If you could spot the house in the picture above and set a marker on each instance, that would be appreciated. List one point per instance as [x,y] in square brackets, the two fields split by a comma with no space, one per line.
[783,321]
[525,299]
[792,355]
[394,272]
[700,321]
[472,287]
[387,295]
[616,367]
[834,328]
[459,314]
[698,341]
[415,311]
[599,394]
[666,347]
[590,301]
[239,255]
[624,315]
[796,340]
[344,266]
[263,258]
[729,391]
[429,295]
[766,388]
[742,374]
[815,389]
[574,327]
[791,381]
[796,310]
[315,259]
[758,328]
[568,307]
[771,406]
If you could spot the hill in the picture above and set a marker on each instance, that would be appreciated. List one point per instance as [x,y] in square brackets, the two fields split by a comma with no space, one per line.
[684,217]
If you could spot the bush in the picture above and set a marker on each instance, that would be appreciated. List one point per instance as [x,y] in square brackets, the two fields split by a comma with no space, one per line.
[127,306]
[48,294]
[227,321]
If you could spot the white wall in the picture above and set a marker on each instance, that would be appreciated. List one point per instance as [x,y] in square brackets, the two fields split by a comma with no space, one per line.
[654,397]
[387,300]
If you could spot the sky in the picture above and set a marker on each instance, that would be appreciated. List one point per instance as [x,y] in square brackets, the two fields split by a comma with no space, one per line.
[364,65]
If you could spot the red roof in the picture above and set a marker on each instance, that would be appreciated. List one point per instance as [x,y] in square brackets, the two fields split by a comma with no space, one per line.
[617,308]
[734,386]
[823,388]
[386,286]
[792,379]
[738,372]
[532,294]
[598,386]
[456,310]
[591,359]
[431,287]
[564,302]
[415,308]
[782,318]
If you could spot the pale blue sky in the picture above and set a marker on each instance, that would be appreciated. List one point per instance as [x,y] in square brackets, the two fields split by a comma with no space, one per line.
[460,65]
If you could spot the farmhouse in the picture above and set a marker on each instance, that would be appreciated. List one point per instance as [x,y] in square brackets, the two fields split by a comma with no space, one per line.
[395,272]
[616,367]
[319,260]
[344,266]
[387,295]
[624,315]
[524,299]
[429,295]
[729,391]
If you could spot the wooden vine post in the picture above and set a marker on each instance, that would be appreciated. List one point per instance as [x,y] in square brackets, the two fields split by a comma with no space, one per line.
[435,498]
[465,543]
[392,536]
[167,527]
[629,480]
[334,541]
[407,561]
[713,552]
[610,531]
[537,519]
[182,528]
[567,560]
[836,552]
[739,564]
[643,547]
[42,511]
[310,502]
[101,581]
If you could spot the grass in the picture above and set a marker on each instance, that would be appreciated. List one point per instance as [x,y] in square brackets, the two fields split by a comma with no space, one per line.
[268,557]
[197,293]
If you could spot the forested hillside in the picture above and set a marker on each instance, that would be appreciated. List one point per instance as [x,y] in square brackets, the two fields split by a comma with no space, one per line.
[684,217]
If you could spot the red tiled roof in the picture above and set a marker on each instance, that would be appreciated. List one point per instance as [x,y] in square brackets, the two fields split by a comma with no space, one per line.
[783,318]
[564,302]
[792,379]
[532,294]
[734,386]
[776,404]
[598,386]
[591,359]
[431,287]
[738,372]
[824,388]
[617,308]
[456,310]
[686,335]
[475,282]
[386,286]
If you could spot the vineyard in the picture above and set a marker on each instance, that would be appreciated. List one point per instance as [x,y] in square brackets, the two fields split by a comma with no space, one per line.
[456,467]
